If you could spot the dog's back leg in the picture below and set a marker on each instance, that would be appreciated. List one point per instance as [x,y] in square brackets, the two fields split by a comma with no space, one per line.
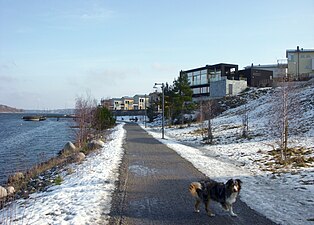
[196,206]
[209,213]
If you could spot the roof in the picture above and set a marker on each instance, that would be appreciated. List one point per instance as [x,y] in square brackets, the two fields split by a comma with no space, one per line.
[280,65]
[211,66]
[299,50]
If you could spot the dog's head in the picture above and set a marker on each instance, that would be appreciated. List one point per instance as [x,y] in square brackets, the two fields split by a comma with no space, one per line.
[234,185]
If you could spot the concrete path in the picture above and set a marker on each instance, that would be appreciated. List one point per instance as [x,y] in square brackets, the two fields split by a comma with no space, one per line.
[153,188]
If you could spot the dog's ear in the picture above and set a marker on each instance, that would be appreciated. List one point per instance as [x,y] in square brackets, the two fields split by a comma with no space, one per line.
[239,181]
[229,182]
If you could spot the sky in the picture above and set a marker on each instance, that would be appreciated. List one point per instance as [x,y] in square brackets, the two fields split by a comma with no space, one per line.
[53,52]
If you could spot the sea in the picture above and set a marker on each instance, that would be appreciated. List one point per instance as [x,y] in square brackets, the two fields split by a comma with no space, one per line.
[24,144]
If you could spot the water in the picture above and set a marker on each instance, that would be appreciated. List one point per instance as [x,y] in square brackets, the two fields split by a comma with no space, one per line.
[26,143]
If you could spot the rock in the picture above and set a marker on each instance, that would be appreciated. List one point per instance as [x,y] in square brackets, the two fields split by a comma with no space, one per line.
[10,190]
[3,192]
[78,157]
[16,177]
[68,148]
[94,144]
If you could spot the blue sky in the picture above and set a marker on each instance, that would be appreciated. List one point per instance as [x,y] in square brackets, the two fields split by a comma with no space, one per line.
[52,52]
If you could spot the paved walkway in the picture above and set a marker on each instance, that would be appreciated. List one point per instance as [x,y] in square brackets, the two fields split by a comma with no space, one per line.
[153,188]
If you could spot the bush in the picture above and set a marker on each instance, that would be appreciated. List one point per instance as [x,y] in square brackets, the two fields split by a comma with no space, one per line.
[103,119]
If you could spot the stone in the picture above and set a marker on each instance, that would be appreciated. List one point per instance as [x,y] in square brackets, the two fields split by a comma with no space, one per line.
[10,190]
[16,177]
[95,144]
[78,157]
[3,192]
[68,148]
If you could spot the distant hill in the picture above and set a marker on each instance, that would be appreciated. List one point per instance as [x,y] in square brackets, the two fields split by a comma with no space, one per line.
[4,108]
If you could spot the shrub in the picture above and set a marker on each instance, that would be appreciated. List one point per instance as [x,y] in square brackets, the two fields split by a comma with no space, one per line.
[103,119]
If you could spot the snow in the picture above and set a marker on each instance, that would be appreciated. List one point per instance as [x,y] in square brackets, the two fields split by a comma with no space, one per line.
[82,198]
[285,196]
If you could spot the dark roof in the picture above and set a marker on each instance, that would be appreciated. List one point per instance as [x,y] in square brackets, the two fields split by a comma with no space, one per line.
[211,66]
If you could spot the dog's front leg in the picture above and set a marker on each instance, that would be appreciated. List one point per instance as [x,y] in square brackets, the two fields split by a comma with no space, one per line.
[231,211]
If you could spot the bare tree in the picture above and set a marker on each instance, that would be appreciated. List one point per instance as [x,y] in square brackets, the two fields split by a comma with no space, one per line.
[283,112]
[84,108]
[208,108]
[245,122]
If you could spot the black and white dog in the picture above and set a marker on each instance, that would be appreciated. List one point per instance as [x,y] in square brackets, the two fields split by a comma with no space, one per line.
[206,190]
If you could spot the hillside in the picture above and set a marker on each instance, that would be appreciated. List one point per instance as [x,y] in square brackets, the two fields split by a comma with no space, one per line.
[8,109]
[255,159]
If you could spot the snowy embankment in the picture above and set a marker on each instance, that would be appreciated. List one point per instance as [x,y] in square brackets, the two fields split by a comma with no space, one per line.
[83,197]
[283,194]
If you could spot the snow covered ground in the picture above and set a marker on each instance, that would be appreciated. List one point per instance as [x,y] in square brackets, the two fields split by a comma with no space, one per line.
[82,198]
[284,194]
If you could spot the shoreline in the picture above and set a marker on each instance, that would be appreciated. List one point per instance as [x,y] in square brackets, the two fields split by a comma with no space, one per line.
[46,174]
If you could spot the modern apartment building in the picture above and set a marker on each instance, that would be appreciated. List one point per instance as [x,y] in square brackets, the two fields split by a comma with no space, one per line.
[300,63]
[214,81]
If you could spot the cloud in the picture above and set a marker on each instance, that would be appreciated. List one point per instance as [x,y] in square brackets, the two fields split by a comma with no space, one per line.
[7,79]
[164,67]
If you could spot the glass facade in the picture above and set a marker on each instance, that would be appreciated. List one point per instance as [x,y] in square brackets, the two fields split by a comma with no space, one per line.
[202,77]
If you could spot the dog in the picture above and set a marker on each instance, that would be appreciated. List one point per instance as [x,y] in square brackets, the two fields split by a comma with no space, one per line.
[206,190]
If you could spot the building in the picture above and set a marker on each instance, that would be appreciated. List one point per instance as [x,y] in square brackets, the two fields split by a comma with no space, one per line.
[138,102]
[256,77]
[214,81]
[280,69]
[300,63]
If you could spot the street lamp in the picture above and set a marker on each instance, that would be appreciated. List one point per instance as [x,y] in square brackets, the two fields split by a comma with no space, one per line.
[163,109]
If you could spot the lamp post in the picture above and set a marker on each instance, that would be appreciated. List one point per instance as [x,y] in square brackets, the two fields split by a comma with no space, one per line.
[145,111]
[163,109]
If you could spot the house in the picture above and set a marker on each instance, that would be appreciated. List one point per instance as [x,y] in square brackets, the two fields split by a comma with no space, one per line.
[140,102]
[256,77]
[280,69]
[127,103]
[300,63]
[214,81]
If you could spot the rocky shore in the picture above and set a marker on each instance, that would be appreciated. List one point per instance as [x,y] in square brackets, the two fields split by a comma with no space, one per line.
[42,176]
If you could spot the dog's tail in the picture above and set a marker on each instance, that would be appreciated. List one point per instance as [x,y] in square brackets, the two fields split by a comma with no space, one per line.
[194,188]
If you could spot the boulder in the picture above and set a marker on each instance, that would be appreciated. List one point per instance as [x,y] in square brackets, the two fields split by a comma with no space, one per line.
[18,176]
[94,144]
[68,148]
[78,157]
[10,190]
[3,192]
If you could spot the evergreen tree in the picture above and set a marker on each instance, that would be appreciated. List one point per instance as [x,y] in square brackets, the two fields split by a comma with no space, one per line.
[183,94]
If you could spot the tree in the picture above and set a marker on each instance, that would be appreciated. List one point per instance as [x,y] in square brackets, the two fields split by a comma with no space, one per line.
[283,112]
[103,119]
[84,108]
[209,109]
[245,122]
[183,93]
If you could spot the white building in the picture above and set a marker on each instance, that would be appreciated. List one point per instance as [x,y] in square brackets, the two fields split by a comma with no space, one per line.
[300,63]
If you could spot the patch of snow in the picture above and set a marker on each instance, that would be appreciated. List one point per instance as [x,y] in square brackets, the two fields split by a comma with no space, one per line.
[286,197]
[84,197]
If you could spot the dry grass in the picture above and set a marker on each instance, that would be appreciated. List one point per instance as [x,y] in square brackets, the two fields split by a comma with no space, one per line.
[297,158]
